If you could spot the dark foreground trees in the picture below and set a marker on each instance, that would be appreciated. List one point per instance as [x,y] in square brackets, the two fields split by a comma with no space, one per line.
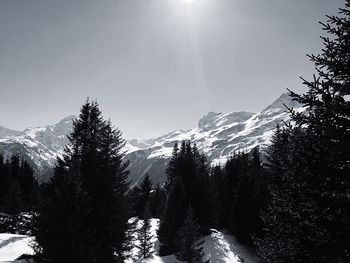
[18,194]
[83,214]
[189,243]
[230,197]
[144,236]
[187,184]
[309,212]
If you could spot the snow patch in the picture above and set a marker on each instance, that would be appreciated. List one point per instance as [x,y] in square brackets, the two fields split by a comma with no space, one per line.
[12,246]
[218,247]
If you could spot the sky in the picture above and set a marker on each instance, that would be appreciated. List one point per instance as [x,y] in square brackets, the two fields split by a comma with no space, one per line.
[153,65]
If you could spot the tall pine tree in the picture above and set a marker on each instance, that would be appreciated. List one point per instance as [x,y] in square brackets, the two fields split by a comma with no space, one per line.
[89,180]
[188,181]
[172,219]
[144,235]
[188,237]
[308,217]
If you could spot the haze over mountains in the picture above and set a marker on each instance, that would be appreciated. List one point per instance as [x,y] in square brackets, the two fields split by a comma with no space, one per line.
[218,135]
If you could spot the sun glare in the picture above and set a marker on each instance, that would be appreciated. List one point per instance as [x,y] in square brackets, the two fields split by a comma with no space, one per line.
[189,1]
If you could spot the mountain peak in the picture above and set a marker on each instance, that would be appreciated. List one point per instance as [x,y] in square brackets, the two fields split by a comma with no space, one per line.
[207,119]
[67,119]
[282,101]
[213,120]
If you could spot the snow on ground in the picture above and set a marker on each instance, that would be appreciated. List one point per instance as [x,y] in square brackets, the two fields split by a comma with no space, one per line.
[218,247]
[13,246]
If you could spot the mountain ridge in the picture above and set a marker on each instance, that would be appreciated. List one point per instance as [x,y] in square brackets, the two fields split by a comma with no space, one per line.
[218,135]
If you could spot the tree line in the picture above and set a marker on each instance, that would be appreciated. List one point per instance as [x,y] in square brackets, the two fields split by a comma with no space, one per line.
[18,194]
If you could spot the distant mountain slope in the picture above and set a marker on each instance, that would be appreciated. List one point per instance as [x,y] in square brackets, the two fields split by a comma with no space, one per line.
[40,145]
[218,135]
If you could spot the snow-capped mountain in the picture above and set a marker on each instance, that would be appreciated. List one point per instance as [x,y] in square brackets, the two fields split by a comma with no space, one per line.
[218,135]
[40,145]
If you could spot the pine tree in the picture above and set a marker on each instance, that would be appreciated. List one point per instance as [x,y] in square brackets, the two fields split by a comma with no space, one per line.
[29,186]
[3,178]
[308,215]
[63,228]
[130,238]
[12,207]
[188,237]
[328,140]
[288,220]
[217,196]
[172,219]
[157,201]
[188,181]
[248,203]
[201,199]
[92,174]
[143,195]
[328,135]
[111,201]
[144,236]
[260,193]
[171,171]
[18,192]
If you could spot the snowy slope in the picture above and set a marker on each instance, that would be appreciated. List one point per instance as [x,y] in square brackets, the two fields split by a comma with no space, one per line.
[41,144]
[218,135]
[12,246]
[217,247]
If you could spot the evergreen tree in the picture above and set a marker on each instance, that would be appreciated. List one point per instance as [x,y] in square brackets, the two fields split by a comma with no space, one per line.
[92,169]
[15,165]
[259,194]
[238,195]
[308,216]
[250,201]
[327,140]
[146,187]
[29,186]
[172,219]
[189,243]
[144,236]
[3,178]
[171,171]
[12,207]
[201,199]
[188,181]
[130,237]
[18,190]
[157,201]
[288,219]
[217,196]
[143,195]
[64,228]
